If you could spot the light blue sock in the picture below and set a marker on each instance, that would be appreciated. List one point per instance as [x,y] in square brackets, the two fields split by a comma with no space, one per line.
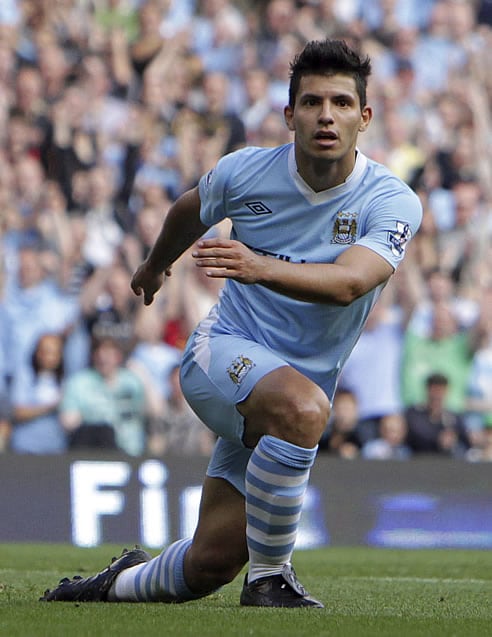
[159,580]
[276,480]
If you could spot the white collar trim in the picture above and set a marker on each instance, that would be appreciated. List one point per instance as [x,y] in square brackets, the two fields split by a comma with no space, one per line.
[330,193]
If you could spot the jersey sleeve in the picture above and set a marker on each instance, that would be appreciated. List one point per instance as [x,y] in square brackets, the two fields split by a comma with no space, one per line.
[216,187]
[213,188]
[393,219]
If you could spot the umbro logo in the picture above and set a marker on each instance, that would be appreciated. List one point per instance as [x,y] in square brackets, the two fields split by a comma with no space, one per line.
[258,208]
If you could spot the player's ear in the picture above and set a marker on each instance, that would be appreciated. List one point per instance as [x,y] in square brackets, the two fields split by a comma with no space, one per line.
[365,118]
[289,117]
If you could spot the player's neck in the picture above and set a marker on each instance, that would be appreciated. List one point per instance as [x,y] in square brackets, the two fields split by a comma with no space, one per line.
[322,174]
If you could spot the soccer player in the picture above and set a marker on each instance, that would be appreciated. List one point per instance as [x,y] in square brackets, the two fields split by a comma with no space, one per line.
[317,230]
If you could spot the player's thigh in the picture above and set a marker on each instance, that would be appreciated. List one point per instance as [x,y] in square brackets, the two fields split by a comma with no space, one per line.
[219,372]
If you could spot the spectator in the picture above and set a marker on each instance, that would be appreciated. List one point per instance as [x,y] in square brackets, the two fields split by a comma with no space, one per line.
[342,437]
[482,452]
[107,113]
[432,427]
[71,147]
[103,406]
[228,31]
[279,21]
[29,183]
[109,307]
[218,120]
[55,67]
[151,158]
[424,248]
[216,35]
[31,104]
[318,20]
[287,47]
[35,395]
[272,131]
[104,227]
[435,45]
[257,104]
[148,42]
[74,271]
[440,289]
[390,444]
[479,390]
[33,305]
[459,244]
[152,359]
[179,430]
[446,351]
[379,349]
[401,153]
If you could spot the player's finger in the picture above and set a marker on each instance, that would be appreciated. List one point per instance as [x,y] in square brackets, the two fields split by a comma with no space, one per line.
[148,298]
[214,242]
[213,262]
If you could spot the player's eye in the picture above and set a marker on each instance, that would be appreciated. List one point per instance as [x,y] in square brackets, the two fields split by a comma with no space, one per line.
[310,101]
[343,101]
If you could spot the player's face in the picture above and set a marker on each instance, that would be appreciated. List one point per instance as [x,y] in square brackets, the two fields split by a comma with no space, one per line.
[327,119]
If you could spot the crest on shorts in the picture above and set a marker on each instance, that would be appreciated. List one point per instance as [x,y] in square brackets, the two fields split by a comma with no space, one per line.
[345,228]
[239,367]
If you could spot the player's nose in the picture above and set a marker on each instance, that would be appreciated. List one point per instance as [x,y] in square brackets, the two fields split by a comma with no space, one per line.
[325,114]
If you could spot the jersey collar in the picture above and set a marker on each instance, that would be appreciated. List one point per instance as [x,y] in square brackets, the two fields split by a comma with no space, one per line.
[329,193]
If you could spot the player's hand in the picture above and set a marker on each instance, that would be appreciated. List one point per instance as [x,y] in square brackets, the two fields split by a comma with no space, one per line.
[226,258]
[147,282]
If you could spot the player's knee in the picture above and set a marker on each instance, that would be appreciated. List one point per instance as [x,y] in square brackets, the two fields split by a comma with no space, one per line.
[304,417]
[286,405]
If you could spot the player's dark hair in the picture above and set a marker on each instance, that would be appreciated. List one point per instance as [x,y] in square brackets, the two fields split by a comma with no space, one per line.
[327,57]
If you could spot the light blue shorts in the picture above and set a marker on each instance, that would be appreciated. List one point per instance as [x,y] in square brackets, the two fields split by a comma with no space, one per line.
[216,374]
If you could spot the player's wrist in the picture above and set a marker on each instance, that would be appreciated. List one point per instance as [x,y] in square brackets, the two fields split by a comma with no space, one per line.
[155,266]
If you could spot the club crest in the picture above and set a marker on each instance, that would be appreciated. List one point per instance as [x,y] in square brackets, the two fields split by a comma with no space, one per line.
[238,369]
[345,228]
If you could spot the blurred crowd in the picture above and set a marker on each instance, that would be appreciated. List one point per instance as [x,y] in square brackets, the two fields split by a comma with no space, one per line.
[110,109]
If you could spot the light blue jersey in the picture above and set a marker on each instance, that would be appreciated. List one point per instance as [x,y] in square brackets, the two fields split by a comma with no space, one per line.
[273,211]
[254,330]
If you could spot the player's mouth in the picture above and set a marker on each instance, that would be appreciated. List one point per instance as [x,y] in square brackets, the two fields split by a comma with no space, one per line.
[325,138]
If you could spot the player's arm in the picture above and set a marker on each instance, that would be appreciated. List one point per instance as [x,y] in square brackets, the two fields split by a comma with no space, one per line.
[355,272]
[181,228]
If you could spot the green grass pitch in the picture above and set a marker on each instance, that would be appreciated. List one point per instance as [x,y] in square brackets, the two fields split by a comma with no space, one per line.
[366,592]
